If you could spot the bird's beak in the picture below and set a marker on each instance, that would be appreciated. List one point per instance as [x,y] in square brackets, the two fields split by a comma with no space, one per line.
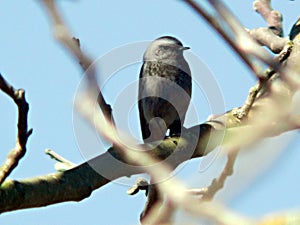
[184,48]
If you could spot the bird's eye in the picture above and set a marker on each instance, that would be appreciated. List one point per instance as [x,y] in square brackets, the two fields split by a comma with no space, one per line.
[165,48]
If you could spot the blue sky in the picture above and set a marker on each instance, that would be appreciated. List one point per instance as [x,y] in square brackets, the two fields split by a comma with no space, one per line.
[31,59]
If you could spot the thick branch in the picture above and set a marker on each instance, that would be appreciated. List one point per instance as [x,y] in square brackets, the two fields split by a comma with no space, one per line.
[19,150]
[78,183]
[71,185]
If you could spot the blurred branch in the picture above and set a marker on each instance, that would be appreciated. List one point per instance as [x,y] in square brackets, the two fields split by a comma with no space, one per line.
[262,86]
[218,26]
[161,213]
[270,36]
[153,205]
[14,156]
[217,184]
[288,218]
[63,35]
[236,37]
[272,17]
[243,41]
[154,211]
[265,36]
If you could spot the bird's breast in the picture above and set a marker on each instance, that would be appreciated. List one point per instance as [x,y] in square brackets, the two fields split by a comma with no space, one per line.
[161,77]
[160,83]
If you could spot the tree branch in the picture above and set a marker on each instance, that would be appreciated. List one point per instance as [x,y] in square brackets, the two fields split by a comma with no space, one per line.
[272,17]
[241,42]
[19,150]
[265,36]
[270,36]
[218,26]
[263,86]
[63,35]
[217,184]
[71,185]
[62,163]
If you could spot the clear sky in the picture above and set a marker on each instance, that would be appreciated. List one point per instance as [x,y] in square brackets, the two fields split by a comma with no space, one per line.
[31,59]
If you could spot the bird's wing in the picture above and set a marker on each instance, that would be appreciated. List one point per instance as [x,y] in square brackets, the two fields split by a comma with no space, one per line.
[143,122]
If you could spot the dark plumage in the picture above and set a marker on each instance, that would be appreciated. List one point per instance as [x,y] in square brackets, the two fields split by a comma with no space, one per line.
[165,88]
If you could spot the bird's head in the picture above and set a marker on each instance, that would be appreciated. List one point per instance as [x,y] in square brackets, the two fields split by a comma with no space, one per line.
[164,48]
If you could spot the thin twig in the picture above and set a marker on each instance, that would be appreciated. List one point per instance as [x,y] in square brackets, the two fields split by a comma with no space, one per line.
[62,163]
[218,183]
[161,214]
[272,17]
[262,86]
[207,193]
[243,111]
[19,150]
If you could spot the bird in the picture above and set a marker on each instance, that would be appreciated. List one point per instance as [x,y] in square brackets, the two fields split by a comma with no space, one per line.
[165,88]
